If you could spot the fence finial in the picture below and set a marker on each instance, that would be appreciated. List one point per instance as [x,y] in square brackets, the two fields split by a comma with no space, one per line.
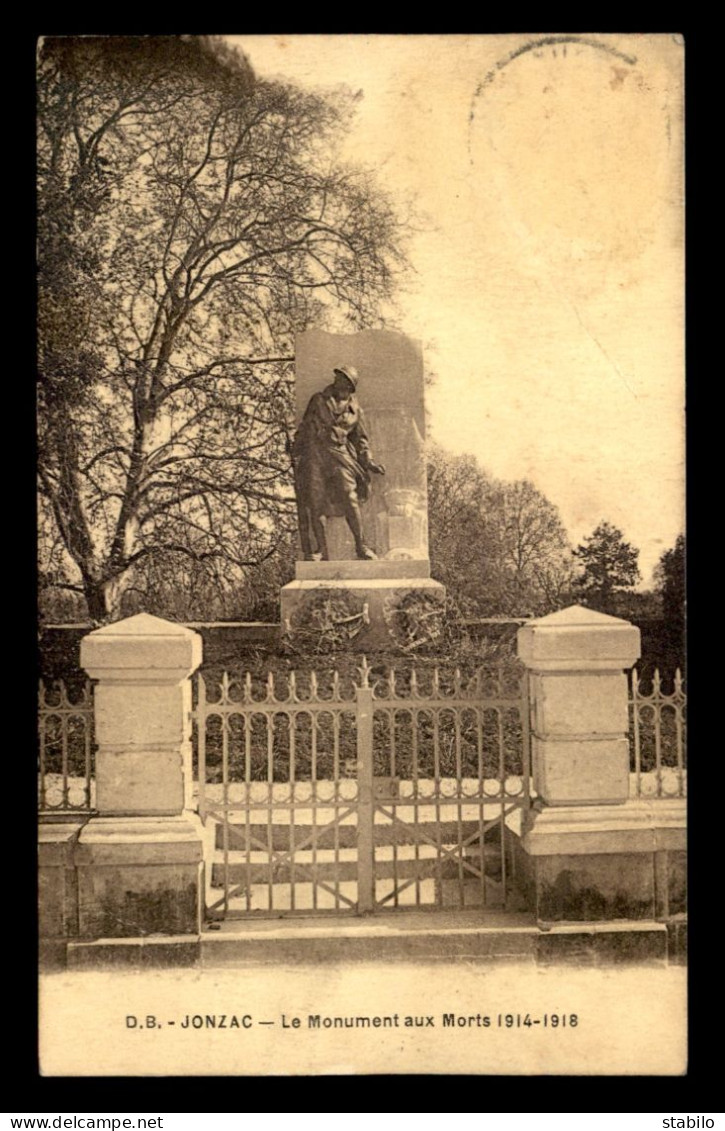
[364,670]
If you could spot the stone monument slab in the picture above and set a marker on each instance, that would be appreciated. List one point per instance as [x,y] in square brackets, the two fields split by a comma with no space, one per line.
[387,368]
[390,392]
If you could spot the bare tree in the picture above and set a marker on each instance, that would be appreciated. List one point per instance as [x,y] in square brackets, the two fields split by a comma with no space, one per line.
[536,549]
[500,548]
[462,529]
[191,220]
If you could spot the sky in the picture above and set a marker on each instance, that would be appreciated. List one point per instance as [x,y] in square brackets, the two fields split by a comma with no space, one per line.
[548,288]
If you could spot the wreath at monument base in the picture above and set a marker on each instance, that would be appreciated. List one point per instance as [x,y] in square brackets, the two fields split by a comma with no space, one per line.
[415,620]
[329,621]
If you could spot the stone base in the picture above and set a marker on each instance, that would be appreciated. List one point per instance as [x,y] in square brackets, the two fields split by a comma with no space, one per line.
[677,940]
[57,879]
[151,952]
[604,862]
[52,955]
[139,876]
[605,944]
[375,594]
[389,938]
[362,571]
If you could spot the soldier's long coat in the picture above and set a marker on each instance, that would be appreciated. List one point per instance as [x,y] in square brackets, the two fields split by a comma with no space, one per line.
[331,454]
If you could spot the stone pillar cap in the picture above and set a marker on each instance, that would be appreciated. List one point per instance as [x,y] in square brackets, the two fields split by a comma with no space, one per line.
[578,639]
[141,642]
[142,624]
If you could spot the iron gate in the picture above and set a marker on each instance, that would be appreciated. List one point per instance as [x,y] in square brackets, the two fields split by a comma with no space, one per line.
[324,794]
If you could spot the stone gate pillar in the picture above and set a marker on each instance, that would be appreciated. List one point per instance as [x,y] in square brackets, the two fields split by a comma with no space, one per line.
[577,660]
[588,851]
[140,861]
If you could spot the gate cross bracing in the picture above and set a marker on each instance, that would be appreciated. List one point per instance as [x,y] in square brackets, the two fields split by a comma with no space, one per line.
[325,794]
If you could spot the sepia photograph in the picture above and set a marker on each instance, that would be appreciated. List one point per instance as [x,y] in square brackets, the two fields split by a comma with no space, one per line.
[361,530]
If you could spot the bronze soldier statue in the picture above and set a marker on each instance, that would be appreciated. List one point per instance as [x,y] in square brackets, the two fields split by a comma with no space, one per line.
[332,464]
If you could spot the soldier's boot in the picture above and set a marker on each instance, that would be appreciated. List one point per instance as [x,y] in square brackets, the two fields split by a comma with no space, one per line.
[354,521]
[320,535]
[304,528]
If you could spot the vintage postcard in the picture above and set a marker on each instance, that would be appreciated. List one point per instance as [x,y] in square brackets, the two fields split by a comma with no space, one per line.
[361,497]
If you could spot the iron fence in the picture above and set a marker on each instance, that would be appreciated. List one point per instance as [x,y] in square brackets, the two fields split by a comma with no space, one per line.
[327,794]
[66,782]
[658,742]
[453,731]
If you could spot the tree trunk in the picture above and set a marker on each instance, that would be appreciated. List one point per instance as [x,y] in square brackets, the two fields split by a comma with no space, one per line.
[104,598]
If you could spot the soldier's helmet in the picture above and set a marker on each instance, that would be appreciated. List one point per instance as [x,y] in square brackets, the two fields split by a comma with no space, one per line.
[348,371]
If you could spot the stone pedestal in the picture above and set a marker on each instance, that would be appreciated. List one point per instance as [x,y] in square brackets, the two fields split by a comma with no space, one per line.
[140,876]
[594,862]
[587,852]
[395,517]
[140,862]
[57,881]
[375,589]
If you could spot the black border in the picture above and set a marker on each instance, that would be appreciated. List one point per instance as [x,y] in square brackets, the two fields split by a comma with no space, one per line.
[30,1091]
